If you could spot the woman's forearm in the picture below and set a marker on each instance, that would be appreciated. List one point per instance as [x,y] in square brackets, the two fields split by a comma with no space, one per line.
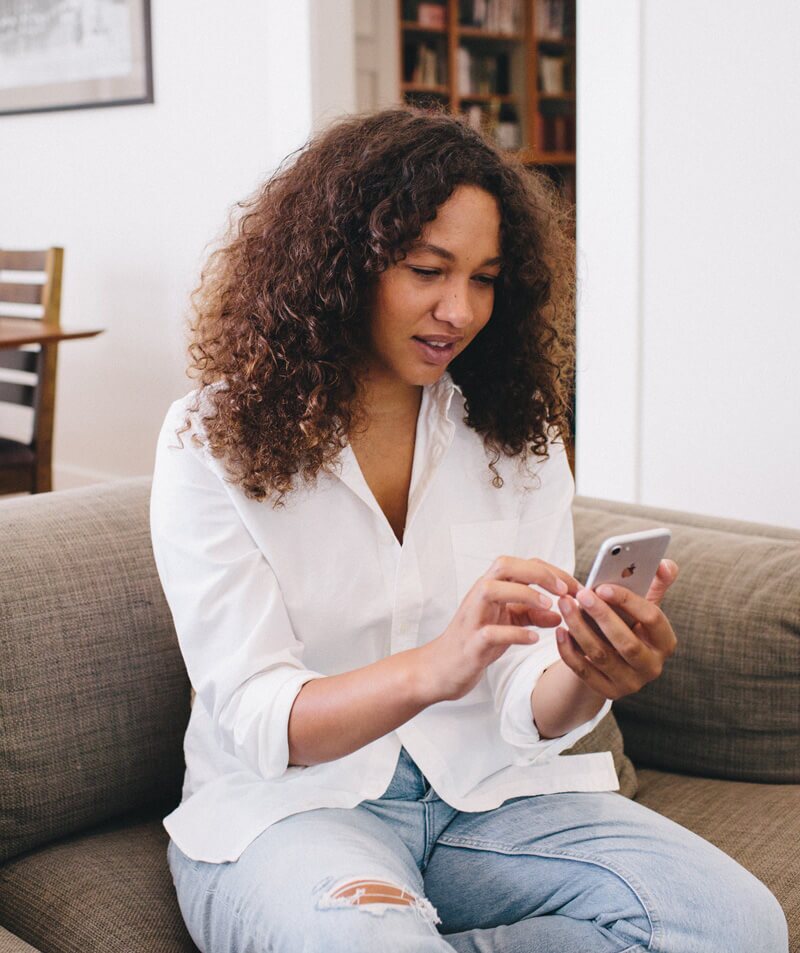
[336,715]
[560,701]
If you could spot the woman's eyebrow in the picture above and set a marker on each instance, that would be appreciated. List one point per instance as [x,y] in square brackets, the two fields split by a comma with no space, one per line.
[449,256]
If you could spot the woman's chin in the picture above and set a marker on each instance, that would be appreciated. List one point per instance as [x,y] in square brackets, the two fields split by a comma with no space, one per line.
[411,373]
[429,374]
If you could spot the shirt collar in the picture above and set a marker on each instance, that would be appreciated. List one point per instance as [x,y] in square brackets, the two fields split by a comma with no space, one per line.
[440,395]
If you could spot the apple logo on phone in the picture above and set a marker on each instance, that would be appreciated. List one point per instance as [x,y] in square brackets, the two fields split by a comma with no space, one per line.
[628,570]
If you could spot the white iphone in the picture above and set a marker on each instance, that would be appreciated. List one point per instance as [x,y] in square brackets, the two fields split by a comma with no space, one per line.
[630,561]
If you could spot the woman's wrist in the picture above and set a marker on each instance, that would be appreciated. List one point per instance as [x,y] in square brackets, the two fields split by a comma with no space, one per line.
[425,682]
[560,701]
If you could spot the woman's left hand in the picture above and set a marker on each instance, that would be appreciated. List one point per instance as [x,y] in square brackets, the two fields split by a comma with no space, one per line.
[629,656]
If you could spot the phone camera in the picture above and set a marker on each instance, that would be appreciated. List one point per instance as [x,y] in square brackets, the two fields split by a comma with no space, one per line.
[616,551]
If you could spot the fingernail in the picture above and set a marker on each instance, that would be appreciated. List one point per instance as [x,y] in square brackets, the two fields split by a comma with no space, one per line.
[560,635]
[585,598]
[544,601]
[606,592]
[565,606]
[561,586]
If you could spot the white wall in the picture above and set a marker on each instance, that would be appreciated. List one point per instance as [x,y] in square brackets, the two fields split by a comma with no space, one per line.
[134,194]
[333,56]
[609,240]
[688,232]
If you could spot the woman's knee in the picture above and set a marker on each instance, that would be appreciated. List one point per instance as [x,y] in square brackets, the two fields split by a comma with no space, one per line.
[775,926]
[702,899]
[761,922]
[341,915]
[252,905]
[742,916]
[369,913]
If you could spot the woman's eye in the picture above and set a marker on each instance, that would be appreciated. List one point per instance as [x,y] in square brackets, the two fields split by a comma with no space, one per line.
[425,272]
[486,279]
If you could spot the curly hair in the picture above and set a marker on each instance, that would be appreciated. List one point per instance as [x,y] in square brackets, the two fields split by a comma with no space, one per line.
[280,329]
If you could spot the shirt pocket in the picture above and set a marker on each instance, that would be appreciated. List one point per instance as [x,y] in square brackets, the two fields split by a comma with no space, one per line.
[476,546]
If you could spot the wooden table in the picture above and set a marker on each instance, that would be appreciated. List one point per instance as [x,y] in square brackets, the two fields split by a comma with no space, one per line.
[15,332]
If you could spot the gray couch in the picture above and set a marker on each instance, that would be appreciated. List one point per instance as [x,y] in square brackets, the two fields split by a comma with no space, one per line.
[94,701]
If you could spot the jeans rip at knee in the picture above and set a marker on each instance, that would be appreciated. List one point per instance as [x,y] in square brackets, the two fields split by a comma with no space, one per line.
[374,896]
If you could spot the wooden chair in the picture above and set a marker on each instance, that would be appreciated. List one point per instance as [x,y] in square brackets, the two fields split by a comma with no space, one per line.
[28,374]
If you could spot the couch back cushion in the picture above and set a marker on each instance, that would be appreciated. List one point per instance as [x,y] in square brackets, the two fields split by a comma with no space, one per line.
[94,697]
[728,702]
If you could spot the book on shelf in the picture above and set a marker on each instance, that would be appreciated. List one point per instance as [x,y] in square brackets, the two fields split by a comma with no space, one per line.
[424,65]
[474,114]
[551,19]
[551,74]
[483,74]
[555,133]
[432,15]
[464,67]
[494,16]
[509,131]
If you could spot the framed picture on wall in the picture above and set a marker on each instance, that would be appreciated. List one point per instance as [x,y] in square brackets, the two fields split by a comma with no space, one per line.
[74,54]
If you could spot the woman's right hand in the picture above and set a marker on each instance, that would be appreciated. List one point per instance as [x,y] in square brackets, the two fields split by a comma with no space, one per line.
[492,616]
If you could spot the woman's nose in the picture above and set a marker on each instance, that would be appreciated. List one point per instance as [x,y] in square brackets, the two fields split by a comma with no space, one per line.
[454,306]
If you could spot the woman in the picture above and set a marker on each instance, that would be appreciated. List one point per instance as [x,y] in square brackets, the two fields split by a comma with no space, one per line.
[361,519]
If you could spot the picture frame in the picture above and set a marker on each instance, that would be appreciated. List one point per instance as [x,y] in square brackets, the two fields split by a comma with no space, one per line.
[74,54]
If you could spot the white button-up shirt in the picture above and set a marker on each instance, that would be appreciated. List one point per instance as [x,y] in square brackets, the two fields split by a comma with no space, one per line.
[266,599]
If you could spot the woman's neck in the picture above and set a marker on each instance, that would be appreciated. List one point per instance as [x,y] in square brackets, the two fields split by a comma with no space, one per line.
[388,402]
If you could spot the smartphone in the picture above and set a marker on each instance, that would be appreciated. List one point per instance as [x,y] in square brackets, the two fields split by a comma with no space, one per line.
[630,561]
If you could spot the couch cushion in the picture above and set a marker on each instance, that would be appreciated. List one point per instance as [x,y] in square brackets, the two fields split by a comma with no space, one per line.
[109,889]
[756,824]
[728,702]
[93,690]
[606,736]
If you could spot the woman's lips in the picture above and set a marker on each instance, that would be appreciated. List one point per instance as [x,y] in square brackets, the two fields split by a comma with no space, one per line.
[435,355]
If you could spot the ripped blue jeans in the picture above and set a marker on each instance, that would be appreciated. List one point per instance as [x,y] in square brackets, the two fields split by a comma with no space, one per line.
[407,873]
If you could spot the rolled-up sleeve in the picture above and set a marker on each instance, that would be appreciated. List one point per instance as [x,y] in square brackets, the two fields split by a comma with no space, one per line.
[241,654]
[546,532]
[516,717]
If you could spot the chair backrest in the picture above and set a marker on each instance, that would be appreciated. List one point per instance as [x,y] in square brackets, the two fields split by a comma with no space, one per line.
[28,373]
[42,295]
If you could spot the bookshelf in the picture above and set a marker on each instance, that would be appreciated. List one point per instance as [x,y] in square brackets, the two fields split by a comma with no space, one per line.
[508,65]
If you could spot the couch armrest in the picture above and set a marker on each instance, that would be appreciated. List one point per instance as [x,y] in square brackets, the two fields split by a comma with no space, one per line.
[12,944]
[728,702]
[94,696]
